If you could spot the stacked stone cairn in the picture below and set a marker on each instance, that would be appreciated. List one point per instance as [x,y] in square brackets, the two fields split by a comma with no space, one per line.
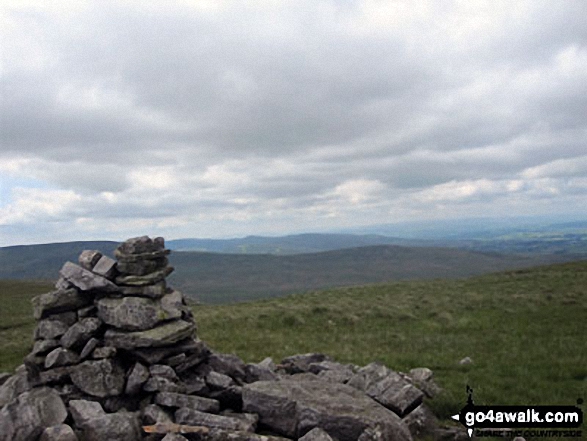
[116,357]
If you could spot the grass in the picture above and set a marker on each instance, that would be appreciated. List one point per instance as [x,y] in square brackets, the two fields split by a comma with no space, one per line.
[525,331]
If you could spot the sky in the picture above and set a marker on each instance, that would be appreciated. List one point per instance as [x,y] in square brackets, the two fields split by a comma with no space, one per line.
[229,118]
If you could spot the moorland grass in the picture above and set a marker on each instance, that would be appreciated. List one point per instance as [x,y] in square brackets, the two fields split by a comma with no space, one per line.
[524,330]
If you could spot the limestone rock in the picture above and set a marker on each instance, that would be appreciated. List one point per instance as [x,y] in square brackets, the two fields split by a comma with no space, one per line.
[3,377]
[140,245]
[80,333]
[42,347]
[88,259]
[163,335]
[147,279]
[99,378]
[58,301]
[153,414]
[316,434]
[89,347]
[14,386]
[137,377]
[301,363]
[134,313]
[141,267]
[169,399]
[293,407]
[48,329]
[388,388]
[120,426]
[105,267]
[61,357]
[25,418]
[195,418]
[86,280]
[60,432]
[152,291]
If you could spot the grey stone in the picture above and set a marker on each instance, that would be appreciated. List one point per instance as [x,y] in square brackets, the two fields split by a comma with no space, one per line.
[120,426]
[192,417]
[170,399]
[155,355]
[3,377]
[192,360]
[105,267]
[14,385]
[83,411]
[336,376]
[25,417]
[153,414]
[140,245]
[99,378]
[162,384]
[155,291]
[81,332]
[263,371]
[60,432]
[141,267]
[134,313]
[174,437]
[48,329]
[251,418]
[194,383]
[217,380]
[293,407]
[421,422]
[88,258]
[68,392]
[301,363]
[388,388]
[60,357]
[423,379]
[89,348]
[137,377]
[174,360]
[147,279]
[161,370]
[227,364]
[44,346]
[104,352]
[86,280]
[63,284]
[55,375]
[162,335]
[316,434]
[58,301]
[88,311]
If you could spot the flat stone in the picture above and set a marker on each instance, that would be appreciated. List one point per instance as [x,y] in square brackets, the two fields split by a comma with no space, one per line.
[147,279]
[162,384]
[152,291]
[99,378]
[89,348]
[86,280]
[142,244]
[292,407]
[191,361]
[49,329]
[161,370]
[141,267]
[60,432]
[202,404]
[88,311]
[153,414]
[134,313]
[163,335]
[388,388]
[138,376]
[423,379]
[120,426]
[104,352]
[60,357]
[63,284]
[42,347]
[262,371]
[88,258]
[192,417]
[155,355]
[105,267]
[25,418]
[58,301]
[301,363]
[55,375]
[227,364]
[81,332]
[217,381]
[175,360]
[14,385]
[316,434]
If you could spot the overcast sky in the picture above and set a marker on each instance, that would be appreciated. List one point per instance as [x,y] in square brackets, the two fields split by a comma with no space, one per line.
[224,119]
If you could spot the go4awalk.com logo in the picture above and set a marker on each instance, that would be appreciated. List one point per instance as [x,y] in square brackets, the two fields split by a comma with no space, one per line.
[517,417]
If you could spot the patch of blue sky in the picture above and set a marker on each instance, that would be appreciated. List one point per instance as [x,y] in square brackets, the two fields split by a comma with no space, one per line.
[9,184]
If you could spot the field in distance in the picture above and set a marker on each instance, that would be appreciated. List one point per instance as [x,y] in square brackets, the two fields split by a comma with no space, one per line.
[524,330]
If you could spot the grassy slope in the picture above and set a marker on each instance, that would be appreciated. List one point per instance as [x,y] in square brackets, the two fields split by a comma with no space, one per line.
[525,331]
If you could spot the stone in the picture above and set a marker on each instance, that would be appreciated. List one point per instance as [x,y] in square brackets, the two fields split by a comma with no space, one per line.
[162,384]
[153,414]
[170,399]
[119,426]
[259,372]
[140,245]
[139,374]
[58,301]
[162,335]
[44,346]
[227,364]
[48,329]
[83,411]
[216,380]
[292,407]
[25,417]
[104,352]
[88,258]
[105,267]
[466,361]
[147,279]
[89,347]
[388,388]
[134,313]
[99,378]
[423,379]
[81,332]
[141,267]
[421,422]
[3,377]
[86,280]
[63,284]
[68,392]
[336,376]
[174,360]
[88,311]
[193,417]
[155,355]
[55,375]
[152,291]
[14,385]
[191,361]
[60,357]
[174,437]
[60,432]
[316,434]
[301,363]
[161,370]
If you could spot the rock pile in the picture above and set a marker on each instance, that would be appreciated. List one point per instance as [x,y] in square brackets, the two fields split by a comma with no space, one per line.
[116,357]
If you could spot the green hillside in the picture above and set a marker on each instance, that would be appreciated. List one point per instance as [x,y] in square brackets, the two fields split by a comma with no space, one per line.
[525,331]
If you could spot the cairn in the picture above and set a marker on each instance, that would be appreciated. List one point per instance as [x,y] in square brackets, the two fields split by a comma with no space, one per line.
[116,357]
